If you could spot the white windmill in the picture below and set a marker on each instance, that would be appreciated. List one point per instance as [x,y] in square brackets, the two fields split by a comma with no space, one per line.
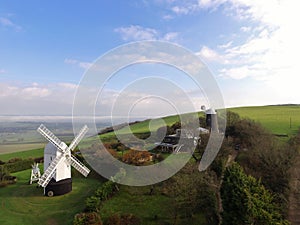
[35,173]
[58,160]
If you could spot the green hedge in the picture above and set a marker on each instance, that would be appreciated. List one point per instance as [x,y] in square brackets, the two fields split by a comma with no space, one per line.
[18,165]
[93,203]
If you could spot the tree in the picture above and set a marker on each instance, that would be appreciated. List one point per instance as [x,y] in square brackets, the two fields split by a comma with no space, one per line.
[3,173]
[136,157]
[246,201]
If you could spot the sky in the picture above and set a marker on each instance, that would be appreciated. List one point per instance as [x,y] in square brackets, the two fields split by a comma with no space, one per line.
[250,46]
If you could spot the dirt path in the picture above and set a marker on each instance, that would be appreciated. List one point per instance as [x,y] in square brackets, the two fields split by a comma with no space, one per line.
[294,198]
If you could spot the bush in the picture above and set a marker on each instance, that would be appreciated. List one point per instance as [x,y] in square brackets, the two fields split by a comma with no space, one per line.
[92,204]
[105,191]
[124,219]
[18,165]
[136,157]
[3,173]
[91,218]
[13,160]
[114,219]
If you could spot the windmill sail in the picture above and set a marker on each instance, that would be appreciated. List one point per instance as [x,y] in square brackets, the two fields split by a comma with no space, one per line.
[79,166]
[45,179]
[51,137]
[64,154]
[78,138]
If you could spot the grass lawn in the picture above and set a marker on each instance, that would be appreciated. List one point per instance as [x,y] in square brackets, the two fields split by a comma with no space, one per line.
[23,154]
[275,118]
[23,204]
[137,201]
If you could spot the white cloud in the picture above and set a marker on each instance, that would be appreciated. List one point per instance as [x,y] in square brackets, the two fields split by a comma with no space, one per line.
[209,54]
[245,28]
[32,92]
[2,71]
[29,92]
[68,85]
[180,10]
[186,7]
[84,65]
[139,33]
[8,23]
[236,73]
[38,99]
[71,61]
[168,17]
[171,36]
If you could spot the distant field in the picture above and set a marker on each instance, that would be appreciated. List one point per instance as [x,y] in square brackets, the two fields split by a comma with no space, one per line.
[275,118]
[25,204]
[23,154]
[11,148]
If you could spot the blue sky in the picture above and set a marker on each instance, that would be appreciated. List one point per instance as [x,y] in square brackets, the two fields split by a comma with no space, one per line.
[45,46]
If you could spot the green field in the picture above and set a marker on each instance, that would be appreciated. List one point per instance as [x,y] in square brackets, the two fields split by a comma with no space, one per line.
[137,201]
[23,154]
[24,204]
[10,148]
[277,119]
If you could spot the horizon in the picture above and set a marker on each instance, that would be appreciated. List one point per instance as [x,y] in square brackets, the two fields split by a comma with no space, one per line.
[68,118]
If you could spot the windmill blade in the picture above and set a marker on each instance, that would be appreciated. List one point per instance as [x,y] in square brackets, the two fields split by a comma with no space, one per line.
[51,137]
[79,166]
[45,179]
[78,138]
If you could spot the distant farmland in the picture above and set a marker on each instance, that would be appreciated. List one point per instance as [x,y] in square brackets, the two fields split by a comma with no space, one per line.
[282,120]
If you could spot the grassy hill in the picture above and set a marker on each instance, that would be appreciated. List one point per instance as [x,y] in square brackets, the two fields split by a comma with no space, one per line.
[25,204]
[35,153]
[279,119]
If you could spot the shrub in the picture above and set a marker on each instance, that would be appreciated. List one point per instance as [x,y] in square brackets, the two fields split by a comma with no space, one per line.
[136,157]
[92,204]
[124,219]
[114,219]
[105,191]
[18,165]
[13,160]
[90,218]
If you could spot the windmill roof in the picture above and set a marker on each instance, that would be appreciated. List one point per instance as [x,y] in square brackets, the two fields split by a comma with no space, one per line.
[50,149]
[210,111]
